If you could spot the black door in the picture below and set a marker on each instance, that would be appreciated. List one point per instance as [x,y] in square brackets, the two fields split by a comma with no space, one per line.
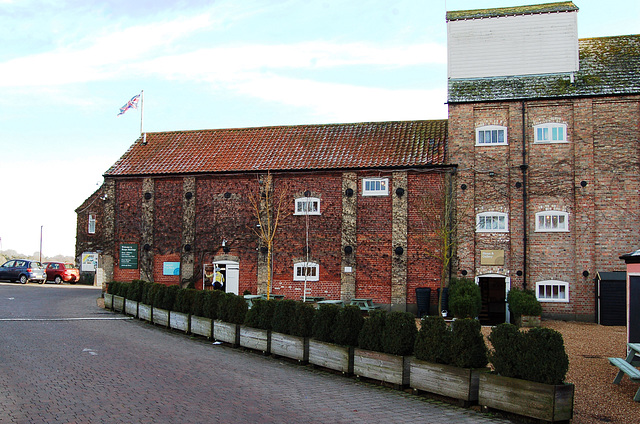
[492,290]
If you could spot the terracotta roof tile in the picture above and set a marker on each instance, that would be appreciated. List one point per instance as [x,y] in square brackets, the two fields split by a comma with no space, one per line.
[304,147]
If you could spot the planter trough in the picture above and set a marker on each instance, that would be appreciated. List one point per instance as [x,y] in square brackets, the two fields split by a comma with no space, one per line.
[331,356]
[179,321]
[382,366]
[202,326]
[144,312]
[446,380]
[226,332]
[293,347]
[255,338]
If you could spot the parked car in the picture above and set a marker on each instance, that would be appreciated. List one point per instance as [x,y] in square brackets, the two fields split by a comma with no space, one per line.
[23,271]
[62,271]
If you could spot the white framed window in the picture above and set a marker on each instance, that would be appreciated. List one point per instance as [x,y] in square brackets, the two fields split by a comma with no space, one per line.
[552,221]
[552,291]
[375,187]
[492,222]
[491,135]
[91,228]
[308,271]
[550,133]
[307,206]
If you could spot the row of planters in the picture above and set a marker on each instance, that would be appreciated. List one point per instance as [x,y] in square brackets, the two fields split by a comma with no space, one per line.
[447,360]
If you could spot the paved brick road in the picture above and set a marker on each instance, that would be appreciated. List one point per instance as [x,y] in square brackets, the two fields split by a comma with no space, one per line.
[105,370]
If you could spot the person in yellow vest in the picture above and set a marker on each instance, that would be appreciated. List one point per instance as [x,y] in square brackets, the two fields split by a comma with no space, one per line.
[218,283]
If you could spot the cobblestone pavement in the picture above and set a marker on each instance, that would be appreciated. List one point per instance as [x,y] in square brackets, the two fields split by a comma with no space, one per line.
[64,360]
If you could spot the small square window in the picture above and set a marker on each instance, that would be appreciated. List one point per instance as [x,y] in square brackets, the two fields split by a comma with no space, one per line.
[375,187]
[308,271]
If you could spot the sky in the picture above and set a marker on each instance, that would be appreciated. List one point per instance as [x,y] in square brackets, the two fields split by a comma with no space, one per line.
[66,67]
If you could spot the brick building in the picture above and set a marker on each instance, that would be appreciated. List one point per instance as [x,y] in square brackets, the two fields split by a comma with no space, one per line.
[545,130]
[353,222]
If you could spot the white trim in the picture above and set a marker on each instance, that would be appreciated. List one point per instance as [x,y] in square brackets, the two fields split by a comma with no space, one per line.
[301,202]
[561,295]
[497,217]
[550,133]
[375,186]
[298,273]
[507,287]
[495,136]
[545,222]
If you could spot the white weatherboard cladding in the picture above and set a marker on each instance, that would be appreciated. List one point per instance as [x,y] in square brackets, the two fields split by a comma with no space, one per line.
[513,45]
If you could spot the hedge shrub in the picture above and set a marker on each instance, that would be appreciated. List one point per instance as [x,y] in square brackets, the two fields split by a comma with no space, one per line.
[260,315]
[399,333]
[184,300]
[465,299]
[371,334]
[197,305]
[303,324]
[433,342]
[212,301]
[467,344]
[536,355]
[232,308]
[134,290]
[324,322]
[523,302]
[284,316]
[347,326]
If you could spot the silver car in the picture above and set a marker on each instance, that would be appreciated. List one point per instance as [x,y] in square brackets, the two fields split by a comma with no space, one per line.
[23,271]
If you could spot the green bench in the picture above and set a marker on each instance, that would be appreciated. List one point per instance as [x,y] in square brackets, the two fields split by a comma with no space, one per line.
[364,304]
[625,367]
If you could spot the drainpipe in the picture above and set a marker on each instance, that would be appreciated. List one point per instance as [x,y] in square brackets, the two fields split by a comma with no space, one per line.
[523,168]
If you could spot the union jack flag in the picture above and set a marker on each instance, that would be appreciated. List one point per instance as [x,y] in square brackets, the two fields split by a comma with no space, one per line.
[131,104]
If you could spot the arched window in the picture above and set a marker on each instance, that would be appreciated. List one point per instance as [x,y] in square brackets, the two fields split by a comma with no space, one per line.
[492,222]
[307,206]
[552,291]
[552,221]
[491,135]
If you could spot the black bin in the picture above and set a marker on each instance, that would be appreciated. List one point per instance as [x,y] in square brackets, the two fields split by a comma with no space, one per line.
[423,299]
[445,299]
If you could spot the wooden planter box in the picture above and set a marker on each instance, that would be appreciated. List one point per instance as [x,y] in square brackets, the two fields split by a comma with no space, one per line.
[118,303]
[255,338]
[131,307]
[108,301]
[226,332]
[446,380]
[331,356]
[536,400]
[202,326]
[529,321]
[160,317]
[381,366]
[144,311]
[293,347]
[179,321]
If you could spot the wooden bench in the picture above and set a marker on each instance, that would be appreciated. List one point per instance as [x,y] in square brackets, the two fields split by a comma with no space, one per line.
[626,368]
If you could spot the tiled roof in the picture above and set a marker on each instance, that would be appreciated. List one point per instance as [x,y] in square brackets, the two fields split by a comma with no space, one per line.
[565,6]
[304,147]
[608,66]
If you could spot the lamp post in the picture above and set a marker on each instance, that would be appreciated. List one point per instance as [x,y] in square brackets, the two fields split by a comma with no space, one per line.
[41,243]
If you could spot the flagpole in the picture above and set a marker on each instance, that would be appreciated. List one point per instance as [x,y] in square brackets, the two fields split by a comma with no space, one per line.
[142,133]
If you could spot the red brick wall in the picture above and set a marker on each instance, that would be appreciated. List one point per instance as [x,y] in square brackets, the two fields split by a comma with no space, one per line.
[158,266]
[128,222]
[167,216]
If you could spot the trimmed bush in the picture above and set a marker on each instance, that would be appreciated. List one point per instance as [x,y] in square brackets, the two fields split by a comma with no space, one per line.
[197,306]
[303,323]
[324,322]
[212,301]
[147,294]
[170,295]
[433,342]
[465,299]
[370,337]
[523,302]
[261,314]
[536,355]
[232,308]
[467,344]
[399,334]
[284,316]
[348,324]
[134,290]
[184,300]
[157,295]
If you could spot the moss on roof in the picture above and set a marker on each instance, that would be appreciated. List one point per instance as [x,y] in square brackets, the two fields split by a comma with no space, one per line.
[566,6]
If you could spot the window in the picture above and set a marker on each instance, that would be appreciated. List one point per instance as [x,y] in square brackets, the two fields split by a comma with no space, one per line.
[552,291]
[491,222]
[305,271]
[307,206]
[550,133]
[375,187]
[92,224]
[491,135]
[550,221]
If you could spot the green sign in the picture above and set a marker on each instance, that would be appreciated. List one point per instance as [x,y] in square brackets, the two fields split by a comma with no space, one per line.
[128,256]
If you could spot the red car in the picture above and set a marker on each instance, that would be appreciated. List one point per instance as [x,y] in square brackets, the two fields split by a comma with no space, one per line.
[62,271]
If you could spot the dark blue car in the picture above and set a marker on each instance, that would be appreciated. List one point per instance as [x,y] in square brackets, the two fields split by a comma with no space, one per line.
[23,271]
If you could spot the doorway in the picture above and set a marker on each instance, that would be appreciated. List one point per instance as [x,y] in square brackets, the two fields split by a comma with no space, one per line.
[493,290]
[230,271]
